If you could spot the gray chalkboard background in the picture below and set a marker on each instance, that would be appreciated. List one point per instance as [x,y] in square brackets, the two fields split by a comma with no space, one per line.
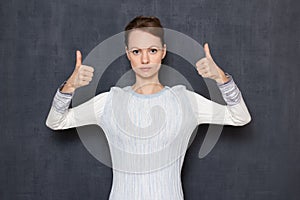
[256,41]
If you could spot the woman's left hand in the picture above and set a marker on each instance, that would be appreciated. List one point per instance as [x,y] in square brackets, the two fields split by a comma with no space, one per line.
[207,68]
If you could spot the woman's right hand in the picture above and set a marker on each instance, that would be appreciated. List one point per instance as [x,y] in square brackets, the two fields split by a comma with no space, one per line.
[81,76]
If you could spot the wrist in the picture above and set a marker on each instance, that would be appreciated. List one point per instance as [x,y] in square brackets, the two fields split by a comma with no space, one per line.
[67,87]
[225,78]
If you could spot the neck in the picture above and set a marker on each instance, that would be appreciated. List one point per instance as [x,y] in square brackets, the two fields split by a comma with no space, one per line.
[147,86]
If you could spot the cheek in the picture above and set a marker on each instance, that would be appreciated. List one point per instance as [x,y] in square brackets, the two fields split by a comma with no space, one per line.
[157,60]
[134,62]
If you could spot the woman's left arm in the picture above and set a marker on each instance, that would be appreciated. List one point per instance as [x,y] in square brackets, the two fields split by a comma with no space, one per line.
[235,112]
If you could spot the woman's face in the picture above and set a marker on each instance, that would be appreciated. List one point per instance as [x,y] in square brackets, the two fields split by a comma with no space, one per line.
[145,52]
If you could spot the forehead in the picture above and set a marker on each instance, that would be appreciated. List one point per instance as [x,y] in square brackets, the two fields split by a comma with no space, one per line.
[142,39]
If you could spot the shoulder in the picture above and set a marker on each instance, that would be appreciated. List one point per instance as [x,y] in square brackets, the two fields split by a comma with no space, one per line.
[188,93]
[112,90]
[183,88]
[119,89]
[101,97]
[178,87]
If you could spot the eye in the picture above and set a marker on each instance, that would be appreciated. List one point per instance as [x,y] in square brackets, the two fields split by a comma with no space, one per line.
[135,52]
[153,50]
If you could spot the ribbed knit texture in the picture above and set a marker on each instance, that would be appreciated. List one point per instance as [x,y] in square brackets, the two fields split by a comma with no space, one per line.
[148,135]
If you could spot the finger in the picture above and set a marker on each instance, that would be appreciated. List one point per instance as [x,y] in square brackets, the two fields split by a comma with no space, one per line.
[78,58]
[87,74]
[202,68]
[83,82]
[203,65]
[204,75]
[207,51]
[87,68]
[203,61]
[86,78]
[202,71]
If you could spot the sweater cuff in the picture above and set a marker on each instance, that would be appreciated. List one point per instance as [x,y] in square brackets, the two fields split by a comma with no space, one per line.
[230,91]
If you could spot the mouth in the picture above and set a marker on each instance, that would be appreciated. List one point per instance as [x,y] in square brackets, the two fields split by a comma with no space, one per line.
[145,68]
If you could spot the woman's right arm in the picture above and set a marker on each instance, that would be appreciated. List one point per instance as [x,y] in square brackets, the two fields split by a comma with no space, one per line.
[60,116]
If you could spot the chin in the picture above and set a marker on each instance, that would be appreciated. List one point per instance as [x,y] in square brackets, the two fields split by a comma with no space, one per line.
[146,75]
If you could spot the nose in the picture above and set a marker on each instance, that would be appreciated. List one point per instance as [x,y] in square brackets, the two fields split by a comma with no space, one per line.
[145,57]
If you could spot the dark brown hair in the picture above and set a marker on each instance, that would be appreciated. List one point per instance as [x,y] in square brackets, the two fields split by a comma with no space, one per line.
[149,24]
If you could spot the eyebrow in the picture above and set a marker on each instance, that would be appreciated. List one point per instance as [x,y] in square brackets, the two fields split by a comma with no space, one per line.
[147,47]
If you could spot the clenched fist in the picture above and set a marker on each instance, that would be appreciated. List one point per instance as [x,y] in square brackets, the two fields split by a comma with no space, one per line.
[207,68]
[81,76]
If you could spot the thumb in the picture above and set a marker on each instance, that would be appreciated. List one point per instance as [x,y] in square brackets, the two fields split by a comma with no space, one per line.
[207,51]
[78,59]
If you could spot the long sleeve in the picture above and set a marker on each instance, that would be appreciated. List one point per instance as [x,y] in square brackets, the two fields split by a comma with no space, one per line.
[235,113]
[62,117]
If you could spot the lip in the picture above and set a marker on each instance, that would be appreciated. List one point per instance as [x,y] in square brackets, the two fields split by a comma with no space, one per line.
[145,68]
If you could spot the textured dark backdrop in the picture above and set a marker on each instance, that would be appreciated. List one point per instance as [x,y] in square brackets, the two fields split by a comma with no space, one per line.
[256,41]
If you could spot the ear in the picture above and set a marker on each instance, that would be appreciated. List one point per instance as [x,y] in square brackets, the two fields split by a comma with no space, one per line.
[127,52]
[165,51]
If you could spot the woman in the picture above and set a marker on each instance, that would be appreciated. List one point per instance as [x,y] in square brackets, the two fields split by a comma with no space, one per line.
[148,125]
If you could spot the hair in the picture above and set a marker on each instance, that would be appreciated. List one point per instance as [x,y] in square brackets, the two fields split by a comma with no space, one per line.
[149,24]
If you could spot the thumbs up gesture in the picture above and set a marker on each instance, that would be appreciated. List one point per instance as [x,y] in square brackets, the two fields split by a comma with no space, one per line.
[81,76]
[207,68]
